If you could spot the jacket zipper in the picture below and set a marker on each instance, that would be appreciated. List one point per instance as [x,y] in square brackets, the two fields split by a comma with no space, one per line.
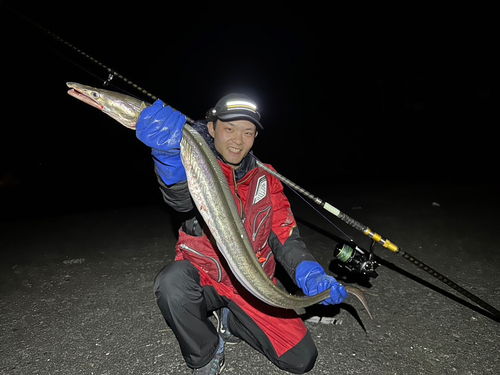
[237,195]
[267,259]
[217,264]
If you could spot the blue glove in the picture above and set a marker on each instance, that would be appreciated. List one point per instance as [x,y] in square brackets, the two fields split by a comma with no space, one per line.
[169,166]
[160,127]
[311,277]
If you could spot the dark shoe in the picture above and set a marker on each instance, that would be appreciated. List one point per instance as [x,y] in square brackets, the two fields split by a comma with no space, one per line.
[215,366]
[223,329]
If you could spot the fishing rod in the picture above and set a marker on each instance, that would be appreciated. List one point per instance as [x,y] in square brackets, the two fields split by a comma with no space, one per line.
[361,261]
[378,239]
[111,73]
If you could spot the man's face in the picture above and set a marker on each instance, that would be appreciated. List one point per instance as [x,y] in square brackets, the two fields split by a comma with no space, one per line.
[233,139]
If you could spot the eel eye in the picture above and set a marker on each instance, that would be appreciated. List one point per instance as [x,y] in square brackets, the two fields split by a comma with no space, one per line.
[95,95]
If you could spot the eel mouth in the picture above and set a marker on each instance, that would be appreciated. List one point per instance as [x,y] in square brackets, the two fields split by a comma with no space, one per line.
[84,96]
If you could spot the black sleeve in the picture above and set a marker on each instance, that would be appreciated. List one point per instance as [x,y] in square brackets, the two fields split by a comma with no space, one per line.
[292,253]
[176,196]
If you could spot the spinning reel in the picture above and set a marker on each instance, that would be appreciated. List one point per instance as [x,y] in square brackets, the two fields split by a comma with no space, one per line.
[355,259]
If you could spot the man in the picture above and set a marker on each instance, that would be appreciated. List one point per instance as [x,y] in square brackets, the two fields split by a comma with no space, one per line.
[199,283]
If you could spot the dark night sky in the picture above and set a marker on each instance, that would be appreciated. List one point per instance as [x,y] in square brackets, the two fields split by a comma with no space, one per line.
[400,94]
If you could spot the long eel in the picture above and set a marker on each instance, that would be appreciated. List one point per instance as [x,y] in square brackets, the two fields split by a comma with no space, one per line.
[212,196]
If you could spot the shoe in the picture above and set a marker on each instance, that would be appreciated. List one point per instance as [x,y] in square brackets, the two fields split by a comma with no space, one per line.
[216,365]
[222,328]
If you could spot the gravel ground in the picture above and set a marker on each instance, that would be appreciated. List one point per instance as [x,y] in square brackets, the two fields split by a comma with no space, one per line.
[76,289]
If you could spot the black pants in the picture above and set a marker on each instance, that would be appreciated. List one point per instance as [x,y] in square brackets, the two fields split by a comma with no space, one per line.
[186,305]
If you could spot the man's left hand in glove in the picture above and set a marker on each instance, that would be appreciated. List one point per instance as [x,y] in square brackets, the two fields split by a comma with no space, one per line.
[311,277]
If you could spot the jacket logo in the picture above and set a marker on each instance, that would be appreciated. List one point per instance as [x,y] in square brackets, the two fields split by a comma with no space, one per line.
[261,190]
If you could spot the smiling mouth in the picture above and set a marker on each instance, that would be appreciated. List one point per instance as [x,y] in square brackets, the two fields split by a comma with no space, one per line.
[235,150]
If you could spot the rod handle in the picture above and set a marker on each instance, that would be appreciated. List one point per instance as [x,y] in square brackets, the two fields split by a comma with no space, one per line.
[368,232]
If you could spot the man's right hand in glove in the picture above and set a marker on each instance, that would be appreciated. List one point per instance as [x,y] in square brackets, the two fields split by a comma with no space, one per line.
[160,127]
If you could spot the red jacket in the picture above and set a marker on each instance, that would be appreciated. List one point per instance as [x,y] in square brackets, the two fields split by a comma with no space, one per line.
[271,226]
[264,210]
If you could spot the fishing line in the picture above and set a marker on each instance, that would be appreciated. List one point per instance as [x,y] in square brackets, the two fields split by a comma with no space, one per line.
[302,193]
[60,54]
[320,213]
[111,72]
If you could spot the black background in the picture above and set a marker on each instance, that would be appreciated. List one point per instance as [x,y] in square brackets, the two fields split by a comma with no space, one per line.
[397,95]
